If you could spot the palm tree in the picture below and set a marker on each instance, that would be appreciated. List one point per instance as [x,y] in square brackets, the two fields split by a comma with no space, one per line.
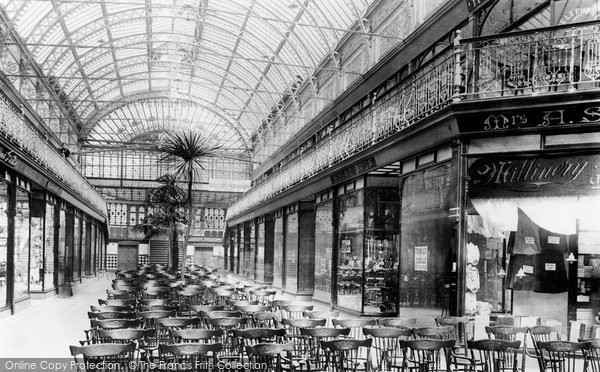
[186,151]
[168,216]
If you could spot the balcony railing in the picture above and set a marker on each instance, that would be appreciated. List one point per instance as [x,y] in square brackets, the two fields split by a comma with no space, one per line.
[543,61]
[557,59]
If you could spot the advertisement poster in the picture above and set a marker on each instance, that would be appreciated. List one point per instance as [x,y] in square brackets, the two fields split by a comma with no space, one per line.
[421,258]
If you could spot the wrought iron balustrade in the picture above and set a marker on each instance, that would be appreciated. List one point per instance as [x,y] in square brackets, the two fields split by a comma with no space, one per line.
[542,61]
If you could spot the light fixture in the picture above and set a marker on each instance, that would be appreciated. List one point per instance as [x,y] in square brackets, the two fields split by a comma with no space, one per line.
[571,258]
[501,273]
[521,273]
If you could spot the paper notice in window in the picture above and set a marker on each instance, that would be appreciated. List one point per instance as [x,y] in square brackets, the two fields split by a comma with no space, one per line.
[554,240]
[529,240]
[421,258]
[527,269]
[550,267]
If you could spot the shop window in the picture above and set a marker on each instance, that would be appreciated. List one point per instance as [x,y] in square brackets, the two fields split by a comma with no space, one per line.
[278,253]
[3,242]
[22,242]
[427,256]
[36,263]
[534,238]
[76,267]
[324,250]
[291,252]
[61,259]
[350,250]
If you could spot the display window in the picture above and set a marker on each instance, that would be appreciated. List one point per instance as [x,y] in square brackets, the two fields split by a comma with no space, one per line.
[76,267]
[61,259]
[260,252]
[36,263]
[350,239]
[323,250]
[85,247]
[533,238]
[291,252]
[427,249]
[278,252]
[49,247]
[3,242]
[22,244]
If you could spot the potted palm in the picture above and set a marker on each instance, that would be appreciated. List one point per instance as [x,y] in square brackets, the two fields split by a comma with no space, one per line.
[186,152]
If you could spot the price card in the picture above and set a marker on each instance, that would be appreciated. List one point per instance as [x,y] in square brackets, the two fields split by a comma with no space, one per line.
[550,267]
[529,240]
[527,269]
[554,240]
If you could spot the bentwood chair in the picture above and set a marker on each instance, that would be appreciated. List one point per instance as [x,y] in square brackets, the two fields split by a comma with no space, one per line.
[348,355]
[317,357]
[327,315]
[398,322]
[112,357]
[196,335]
[356,326]
[388,354]
[510,333]
[296,311]
[196,357]
[273,357]
[140,337]
[562,356]
[593,354]
[426,355]
[252,336]
[542,333]
[495,355]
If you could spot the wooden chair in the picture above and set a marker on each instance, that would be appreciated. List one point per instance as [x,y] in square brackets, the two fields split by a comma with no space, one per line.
[116,302]
[115,357]
[427,355]
[154,302]
[592,355]
[346,355]
[252,336]
[356,326]
[196,335]
[317,357]
[542,333]
[273,357]
[111,308]
[263,296]
[495,355]
[199,356]
[296,311]
[165,325]
[140,337]
[266,319]
[327,315]
[120,294]
[562,356]
[228,340]
[510,333]
[397,322]
[462,331]
[386,345]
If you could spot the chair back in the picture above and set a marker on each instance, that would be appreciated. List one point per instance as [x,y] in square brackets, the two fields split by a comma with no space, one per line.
[427,355]
[348,355]
[116,357]
[110,308]
[388,354]
[593,354]
[356,326]
[438,333]
[542,333]
[195,335]
[562,356]
[271,357]
[398,322]
[510,333]
[496,355]
[116,302]
[296,311]
[201,357]
[312,338]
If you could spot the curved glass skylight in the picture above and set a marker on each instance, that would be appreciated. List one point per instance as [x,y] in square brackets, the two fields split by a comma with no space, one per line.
[130,67]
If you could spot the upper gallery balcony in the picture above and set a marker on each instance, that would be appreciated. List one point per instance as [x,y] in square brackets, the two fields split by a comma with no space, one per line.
[541,62]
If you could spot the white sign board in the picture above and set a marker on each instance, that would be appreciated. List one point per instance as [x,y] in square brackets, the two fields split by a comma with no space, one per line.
[421,258]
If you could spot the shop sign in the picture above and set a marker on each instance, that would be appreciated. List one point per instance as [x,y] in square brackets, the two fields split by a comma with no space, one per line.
[511,176]
[515,120]
[354,170]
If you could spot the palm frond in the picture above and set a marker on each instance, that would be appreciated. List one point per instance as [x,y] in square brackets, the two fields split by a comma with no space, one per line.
[186,151]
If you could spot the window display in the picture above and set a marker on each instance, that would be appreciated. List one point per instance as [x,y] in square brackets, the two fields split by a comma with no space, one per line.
[291,252]
[22,241]
[381,251]
[76,249]
[49,247]
[260,252]
[535,230]
[278,253]
[85,247]
[3,242]
[350,250]
[427,254]
[61,257]
[323,250]
[36,263]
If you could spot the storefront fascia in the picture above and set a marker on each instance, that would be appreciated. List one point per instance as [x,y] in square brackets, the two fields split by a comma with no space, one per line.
[531,241]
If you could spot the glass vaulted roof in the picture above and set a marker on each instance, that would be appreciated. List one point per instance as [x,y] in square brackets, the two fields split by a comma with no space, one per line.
[143,66]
